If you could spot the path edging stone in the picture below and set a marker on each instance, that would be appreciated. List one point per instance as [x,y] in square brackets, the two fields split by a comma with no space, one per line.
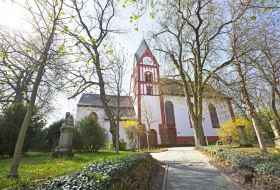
[165,177]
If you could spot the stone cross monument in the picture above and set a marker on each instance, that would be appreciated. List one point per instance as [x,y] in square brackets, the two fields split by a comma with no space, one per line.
[66,136]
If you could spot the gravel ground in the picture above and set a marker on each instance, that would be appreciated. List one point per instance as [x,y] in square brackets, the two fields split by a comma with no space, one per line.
[189,169]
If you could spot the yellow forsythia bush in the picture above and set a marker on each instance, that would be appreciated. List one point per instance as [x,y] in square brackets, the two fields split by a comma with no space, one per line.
[228,133]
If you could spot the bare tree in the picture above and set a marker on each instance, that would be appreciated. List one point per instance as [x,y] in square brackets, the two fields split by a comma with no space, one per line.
[190,36]
[90,27]
[133,132]
[261,5]
[116,72]
[45,16]
[268,65]
[16,73]
[149,119]
[242,38]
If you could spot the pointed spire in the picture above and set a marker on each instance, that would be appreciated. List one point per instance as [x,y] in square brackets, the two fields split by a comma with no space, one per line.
[143,46]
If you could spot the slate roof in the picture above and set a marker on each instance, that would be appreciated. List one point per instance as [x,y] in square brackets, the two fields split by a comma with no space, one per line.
[174,87]
[126,103]
[94,100]
[143,46]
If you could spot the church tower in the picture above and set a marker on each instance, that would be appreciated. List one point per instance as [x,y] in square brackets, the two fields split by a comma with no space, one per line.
[144,88]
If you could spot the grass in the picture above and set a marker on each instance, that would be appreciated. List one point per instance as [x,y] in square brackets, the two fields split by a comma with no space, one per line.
[35,167]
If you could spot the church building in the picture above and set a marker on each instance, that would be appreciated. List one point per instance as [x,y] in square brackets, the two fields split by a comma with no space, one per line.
[160,102]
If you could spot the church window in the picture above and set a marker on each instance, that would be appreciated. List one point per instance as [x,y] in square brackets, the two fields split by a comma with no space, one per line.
[149,90]
[93,114]
[213,116]
[148,77]
[169,112]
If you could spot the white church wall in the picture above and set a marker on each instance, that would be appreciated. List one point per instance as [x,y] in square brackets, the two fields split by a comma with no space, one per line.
[181,114]
[85,111]
[222,112]
[182,119]
[106,125]
[152,105]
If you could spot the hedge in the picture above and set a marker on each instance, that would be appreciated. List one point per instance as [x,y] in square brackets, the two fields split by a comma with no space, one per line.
[100,175]
[261,163]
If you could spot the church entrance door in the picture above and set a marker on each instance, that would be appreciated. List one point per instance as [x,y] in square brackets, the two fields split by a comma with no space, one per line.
[171,136]
[153,137]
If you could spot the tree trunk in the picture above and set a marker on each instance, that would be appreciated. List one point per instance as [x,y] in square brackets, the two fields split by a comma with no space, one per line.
[199,133]
[273,102]
[258,133]
[118,120]
[104,100]
[117,137]
[118,125]
[148,137]
[251,109]
[196,115]
[13,173]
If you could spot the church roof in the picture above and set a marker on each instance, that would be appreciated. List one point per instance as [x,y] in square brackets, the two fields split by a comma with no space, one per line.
[126,104]
[143,46]
[94,100]
[174,87]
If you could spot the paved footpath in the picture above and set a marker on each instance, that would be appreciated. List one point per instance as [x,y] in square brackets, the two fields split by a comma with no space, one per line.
[188,169]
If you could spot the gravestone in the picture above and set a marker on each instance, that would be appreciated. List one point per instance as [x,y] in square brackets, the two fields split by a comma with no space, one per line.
[243,139]
[64,149]
[275,125]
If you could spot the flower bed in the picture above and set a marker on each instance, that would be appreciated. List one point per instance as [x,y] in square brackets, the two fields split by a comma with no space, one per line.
[260,163]
[100,175]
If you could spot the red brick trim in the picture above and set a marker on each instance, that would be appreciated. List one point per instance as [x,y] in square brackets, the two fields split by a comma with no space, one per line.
[190,139]
[231,110]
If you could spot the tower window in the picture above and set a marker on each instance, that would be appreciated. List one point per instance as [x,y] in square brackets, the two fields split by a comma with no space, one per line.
[149,90]
[148,77]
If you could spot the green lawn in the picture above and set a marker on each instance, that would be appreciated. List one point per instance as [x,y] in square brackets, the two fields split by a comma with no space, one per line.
[35,167]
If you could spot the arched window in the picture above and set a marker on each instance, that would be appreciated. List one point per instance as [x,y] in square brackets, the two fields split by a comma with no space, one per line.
[148,77]
[213,116]
[149,90]
[93,114]
[169,113]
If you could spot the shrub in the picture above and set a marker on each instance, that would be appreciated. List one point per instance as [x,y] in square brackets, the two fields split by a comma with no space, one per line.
[77,141]
[265,116]
[100,175]
[132,131]
[92,133]
[122,146]
[228,133]
[261,163]
[10,123]
[53,134]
